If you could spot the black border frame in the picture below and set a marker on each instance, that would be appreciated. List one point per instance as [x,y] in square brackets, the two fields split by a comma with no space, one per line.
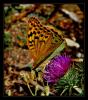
[45,1]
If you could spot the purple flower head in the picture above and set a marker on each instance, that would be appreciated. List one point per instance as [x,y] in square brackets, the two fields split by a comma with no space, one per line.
[57,68]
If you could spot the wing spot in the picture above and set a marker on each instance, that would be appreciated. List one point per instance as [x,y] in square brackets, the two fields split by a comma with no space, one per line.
[38,32]
[56,40]
[31,41]
[30,34]
[34,32]
[42,41]
[41,35]
[36,37]
[46,36]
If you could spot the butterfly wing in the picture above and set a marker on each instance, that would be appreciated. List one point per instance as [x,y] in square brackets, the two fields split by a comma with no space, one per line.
[41,41]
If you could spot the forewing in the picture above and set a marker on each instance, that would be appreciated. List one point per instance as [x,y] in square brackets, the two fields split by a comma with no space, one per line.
[41,41]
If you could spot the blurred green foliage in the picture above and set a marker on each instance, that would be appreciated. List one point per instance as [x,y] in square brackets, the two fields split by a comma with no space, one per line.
[7,39]
[71,79]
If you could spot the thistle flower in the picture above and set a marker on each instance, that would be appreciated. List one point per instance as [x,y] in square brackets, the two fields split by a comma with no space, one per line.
[57,68]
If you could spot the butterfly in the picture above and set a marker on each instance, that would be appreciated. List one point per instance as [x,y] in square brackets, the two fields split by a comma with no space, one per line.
[41,40]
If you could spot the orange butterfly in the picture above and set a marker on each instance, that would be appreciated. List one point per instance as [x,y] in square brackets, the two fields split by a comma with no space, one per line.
[41,41]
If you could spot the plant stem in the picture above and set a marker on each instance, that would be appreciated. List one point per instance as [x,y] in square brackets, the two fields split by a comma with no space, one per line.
[30,89]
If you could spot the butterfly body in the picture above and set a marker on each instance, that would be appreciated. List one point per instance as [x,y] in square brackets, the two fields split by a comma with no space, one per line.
[41,40]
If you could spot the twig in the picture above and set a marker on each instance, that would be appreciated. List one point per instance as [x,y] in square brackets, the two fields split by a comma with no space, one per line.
[79,90]
[30,89]
[63,91]
[77,60]
[22,14]
[39,86]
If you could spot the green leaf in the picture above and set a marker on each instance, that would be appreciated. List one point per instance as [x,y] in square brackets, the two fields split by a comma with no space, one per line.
[24,40]
[30,66]
[7,38]
[19,37]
